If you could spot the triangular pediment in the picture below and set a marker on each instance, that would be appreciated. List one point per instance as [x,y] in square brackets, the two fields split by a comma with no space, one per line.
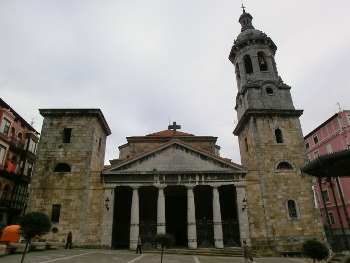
[175,156]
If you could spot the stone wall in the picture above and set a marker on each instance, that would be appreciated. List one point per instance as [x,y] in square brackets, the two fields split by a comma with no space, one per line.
[269,189]
[80,191]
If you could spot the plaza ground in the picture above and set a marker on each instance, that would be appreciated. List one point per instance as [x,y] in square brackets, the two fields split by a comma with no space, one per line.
[126,256]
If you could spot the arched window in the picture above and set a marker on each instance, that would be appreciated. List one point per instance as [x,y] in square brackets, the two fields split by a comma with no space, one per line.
[62,168]
[238,75]
[284,166]
[248,64]
[262,61]
[278,135]
[292,209]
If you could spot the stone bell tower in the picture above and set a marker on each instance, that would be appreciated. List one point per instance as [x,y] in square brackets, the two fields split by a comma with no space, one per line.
[66,183]
[281,210]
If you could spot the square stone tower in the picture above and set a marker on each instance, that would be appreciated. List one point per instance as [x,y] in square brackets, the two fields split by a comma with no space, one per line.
[66,182]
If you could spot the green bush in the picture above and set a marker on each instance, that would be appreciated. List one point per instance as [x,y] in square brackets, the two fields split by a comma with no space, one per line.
[32,225]
[315,249]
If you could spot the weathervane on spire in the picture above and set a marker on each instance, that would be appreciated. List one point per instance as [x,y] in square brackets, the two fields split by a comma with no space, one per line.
[243,7]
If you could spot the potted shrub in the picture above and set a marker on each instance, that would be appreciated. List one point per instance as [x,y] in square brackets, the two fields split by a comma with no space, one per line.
[54,243]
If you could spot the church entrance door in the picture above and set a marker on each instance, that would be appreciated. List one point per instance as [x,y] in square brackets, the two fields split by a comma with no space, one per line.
[229,215]
[122,212]
[148,214]
[176,213]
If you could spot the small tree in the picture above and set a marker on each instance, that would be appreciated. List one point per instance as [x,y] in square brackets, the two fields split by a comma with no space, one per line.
[33,224]
[315,249]
[164,241]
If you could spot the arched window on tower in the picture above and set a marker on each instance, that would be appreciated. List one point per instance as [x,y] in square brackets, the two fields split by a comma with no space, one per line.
[238,75]
[62,168]
[262,61]
[284,166]
[278,135]
[248,64]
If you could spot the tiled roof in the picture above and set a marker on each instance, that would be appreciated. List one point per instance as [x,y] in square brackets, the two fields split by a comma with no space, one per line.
[169,133]
[226,160]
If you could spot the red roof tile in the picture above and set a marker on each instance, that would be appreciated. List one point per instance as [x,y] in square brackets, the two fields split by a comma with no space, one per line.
[169,133]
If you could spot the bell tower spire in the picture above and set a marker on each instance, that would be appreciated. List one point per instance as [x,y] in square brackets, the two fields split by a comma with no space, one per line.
[271,145]
[245,20]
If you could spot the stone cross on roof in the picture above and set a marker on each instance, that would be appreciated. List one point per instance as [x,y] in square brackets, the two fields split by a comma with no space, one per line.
[174,127]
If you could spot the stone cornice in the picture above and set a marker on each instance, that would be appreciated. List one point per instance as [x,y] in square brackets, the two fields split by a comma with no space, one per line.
[78,113]
[264,113]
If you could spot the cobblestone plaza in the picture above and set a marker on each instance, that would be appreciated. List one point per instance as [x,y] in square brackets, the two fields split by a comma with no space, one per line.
[126,256]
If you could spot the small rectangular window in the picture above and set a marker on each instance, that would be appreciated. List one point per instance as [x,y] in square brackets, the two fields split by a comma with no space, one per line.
[5,126]
[329,148]
[325,195]
[67,133]
[316,154]
[99,144]
[2,154]
[55,214]
[331,218]
[246,144]
[315,138]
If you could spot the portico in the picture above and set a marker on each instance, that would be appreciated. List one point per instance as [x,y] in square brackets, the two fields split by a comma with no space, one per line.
[200,207]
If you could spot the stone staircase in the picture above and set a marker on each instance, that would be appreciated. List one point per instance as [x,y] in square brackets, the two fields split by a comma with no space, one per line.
[226,252]
[339,258]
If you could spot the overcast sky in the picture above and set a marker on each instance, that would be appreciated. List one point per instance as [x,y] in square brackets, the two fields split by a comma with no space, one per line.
[145,63]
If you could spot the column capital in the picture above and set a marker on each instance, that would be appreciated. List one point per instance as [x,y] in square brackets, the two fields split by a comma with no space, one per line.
[135,186]
[160,186]
[190,186]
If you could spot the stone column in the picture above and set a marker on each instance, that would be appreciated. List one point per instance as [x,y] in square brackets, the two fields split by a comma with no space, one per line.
[218,236]
[243,214]
[107,217]
[134,221]
[191,219]
[161,210]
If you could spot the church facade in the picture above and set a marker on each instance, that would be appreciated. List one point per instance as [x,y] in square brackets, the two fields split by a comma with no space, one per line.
[176,182]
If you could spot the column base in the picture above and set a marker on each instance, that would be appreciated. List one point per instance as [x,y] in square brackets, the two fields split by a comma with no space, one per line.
[192,244]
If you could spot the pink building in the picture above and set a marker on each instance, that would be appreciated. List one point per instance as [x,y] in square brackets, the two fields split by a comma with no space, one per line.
[332,136]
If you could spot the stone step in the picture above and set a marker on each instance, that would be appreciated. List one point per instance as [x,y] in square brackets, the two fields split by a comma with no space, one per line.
[230,252]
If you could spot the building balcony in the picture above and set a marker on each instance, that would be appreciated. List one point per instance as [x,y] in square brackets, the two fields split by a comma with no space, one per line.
[14,141]
[11,204]
[17,178]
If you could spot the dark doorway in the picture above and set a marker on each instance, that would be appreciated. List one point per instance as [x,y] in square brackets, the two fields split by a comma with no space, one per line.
[176,213]
[203,197]
[229,215]
[122,213]
[148,215]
